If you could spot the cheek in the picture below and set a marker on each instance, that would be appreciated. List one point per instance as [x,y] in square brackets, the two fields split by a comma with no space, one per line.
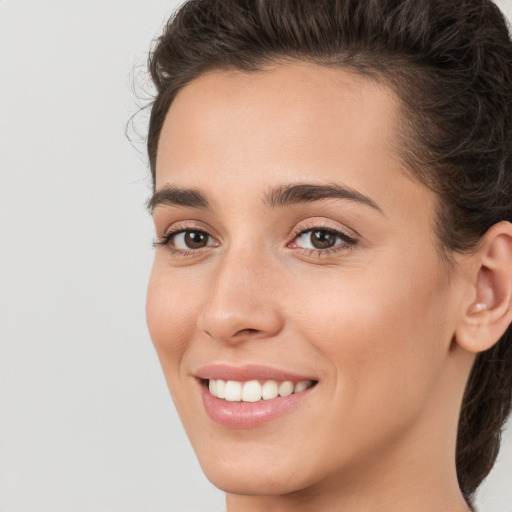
[383,334]
[171,314]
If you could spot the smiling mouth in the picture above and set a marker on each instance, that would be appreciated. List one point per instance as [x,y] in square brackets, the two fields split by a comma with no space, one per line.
[255,390]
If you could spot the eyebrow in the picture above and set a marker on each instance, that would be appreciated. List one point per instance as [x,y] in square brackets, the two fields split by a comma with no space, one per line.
[175,196]
[277,197]
[304,193]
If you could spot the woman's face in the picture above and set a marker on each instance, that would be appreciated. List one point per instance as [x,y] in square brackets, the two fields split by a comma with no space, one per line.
[293,247]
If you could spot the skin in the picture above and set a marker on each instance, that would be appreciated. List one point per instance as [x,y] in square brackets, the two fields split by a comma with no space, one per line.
[375,322]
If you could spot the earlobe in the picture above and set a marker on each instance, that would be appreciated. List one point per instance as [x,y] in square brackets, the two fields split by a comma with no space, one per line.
[487,317]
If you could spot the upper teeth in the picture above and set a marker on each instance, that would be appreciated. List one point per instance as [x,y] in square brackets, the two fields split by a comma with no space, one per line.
[253,390]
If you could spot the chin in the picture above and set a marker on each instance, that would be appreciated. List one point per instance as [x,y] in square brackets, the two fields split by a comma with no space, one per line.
[258,470]
[251,481]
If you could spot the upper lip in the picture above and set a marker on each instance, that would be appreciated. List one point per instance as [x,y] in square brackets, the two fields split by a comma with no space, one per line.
[248,372]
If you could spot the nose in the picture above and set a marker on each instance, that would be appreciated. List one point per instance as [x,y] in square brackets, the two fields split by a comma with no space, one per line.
[241,302]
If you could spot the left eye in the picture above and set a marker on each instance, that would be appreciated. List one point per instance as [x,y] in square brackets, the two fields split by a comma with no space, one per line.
[320,239]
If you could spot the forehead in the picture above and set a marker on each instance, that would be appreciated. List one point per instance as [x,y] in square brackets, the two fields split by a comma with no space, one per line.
[288,111]
[232,132]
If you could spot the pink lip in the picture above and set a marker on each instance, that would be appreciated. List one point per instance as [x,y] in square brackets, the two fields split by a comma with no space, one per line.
[248,414]
[248,372]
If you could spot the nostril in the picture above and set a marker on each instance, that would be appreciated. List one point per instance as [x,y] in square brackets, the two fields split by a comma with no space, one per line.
[247,331]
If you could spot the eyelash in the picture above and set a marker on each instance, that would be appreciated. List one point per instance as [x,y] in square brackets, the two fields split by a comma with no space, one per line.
[165,241]
[348,242]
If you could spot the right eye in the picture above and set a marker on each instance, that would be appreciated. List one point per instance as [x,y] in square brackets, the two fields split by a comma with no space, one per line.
[190,239]
[186,240]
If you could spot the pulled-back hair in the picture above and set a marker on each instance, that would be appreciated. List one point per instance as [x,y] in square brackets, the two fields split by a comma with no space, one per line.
[450,62]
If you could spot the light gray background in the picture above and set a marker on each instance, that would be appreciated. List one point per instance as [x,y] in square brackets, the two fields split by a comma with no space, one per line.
[86,423]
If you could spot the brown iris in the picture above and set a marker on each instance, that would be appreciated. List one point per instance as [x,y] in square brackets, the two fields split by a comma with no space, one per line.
[196,239]
[322,239]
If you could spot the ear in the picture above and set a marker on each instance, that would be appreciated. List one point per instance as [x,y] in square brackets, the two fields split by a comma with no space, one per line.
[488,311]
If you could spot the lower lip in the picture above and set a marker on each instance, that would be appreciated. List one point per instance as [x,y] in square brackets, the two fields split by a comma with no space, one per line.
[249,414]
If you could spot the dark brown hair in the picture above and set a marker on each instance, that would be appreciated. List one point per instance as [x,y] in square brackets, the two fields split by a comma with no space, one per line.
[450,62]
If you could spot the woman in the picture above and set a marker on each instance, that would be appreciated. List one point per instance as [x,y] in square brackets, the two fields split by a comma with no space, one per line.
[331,292]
